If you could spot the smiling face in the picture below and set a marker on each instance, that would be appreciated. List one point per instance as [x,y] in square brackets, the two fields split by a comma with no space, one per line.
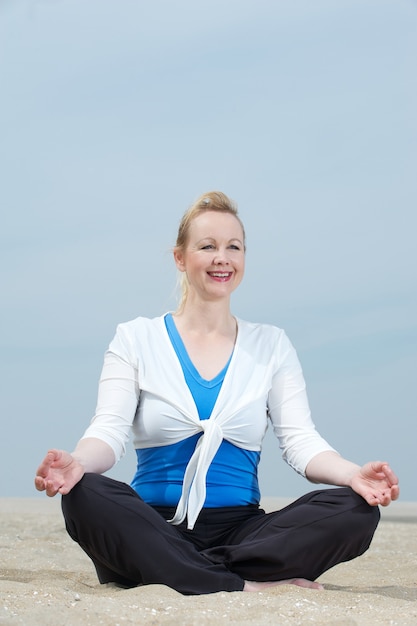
[213,257]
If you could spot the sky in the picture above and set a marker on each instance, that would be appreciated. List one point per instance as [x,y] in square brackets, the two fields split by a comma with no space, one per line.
[115,116]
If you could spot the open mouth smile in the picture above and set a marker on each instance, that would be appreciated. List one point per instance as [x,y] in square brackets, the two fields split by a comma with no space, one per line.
[221,276]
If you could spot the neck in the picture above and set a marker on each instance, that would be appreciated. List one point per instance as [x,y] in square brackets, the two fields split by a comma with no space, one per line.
[206,317]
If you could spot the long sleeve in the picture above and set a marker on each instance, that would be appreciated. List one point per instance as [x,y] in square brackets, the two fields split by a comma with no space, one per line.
[118,396]
[289,411]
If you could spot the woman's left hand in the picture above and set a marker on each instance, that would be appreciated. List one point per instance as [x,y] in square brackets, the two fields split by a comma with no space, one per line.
[376,483]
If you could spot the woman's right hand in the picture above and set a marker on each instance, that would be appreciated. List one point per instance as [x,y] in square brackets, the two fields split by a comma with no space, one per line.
[58,473]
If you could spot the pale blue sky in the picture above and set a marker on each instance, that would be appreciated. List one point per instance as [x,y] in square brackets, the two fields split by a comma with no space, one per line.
[115,115]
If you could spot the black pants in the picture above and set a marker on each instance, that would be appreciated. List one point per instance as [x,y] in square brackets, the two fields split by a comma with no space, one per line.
[131,543]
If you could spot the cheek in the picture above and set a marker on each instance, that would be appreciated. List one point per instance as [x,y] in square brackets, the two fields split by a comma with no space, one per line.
[240,272]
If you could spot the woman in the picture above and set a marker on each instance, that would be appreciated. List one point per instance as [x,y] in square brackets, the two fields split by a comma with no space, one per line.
[197,388]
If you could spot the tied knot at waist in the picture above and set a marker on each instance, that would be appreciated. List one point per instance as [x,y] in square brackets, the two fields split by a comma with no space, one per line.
[193,493]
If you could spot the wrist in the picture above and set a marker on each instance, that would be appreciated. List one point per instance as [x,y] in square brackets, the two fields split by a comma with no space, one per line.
[78,458]
[351,472]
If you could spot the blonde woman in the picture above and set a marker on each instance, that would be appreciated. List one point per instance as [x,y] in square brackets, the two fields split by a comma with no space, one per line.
[196,389]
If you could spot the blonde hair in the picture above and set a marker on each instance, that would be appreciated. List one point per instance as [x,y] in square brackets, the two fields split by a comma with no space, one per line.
[210,201]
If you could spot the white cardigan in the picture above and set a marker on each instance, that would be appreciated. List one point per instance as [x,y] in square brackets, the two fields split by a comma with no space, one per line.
[142,390]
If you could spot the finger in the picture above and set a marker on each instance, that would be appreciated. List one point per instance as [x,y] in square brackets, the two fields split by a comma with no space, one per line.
[395,492]
[46,464]
[385,498]
[54,456]
[379,467]
[44,468]
[40,483]
[51,489]
[64,490]
[372,499]
[389,475]
[385,502]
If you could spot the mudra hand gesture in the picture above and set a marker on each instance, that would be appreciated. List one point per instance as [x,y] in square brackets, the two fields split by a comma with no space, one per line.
[58,473]
[376,483]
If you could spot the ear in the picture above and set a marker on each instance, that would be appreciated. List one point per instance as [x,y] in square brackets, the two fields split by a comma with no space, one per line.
[179,259]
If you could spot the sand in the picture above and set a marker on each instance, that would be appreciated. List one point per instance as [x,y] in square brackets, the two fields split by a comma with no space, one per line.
[46,579]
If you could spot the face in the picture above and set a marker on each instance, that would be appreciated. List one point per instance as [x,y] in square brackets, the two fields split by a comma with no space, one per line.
[214,256]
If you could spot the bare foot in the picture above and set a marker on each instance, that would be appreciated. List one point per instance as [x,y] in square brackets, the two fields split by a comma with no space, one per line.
[252,585]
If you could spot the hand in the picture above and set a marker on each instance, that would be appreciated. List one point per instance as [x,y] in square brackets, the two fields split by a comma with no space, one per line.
[58,473]
[376,483]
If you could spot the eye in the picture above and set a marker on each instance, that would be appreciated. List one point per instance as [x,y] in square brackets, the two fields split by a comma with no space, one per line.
[234,247]
[208,246]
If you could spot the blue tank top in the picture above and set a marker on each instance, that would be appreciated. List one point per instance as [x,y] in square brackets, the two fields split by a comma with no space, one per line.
[232,478]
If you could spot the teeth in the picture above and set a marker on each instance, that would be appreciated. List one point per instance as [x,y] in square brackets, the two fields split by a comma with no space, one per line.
[220,274]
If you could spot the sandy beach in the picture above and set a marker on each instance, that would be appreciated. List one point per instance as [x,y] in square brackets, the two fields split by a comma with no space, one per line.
[46,579]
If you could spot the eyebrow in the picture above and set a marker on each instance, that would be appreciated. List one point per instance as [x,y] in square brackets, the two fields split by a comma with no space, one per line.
[214,239]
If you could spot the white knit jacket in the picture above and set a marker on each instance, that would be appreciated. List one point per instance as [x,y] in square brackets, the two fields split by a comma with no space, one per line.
[143,391]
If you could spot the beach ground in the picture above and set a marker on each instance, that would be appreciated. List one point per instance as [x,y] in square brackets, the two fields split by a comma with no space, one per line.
[46,579]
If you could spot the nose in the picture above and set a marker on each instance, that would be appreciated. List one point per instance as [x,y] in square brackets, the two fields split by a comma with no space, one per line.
[221,257]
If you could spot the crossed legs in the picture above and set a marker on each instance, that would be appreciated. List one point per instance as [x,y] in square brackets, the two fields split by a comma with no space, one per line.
[130,543]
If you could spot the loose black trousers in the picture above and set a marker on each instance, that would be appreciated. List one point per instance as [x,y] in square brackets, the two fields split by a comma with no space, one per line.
[131,543]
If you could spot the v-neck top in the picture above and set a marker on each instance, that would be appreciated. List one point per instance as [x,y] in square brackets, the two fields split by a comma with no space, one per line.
[204,391]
